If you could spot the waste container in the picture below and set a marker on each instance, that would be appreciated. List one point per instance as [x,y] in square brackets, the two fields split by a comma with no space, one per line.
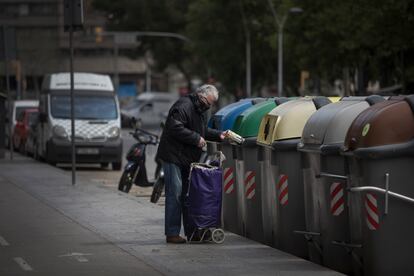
[326,211]
[283,206]
[3,124]
[380,148]
[249,178]
[224,119]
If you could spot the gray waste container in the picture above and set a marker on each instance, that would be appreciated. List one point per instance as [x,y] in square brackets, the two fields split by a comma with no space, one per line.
[3,124]
[248,175]
[327,224]
[224,119]
[380,148]
[282,207]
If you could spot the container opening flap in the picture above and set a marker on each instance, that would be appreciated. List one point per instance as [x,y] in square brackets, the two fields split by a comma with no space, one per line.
[281,100]
[410,101]
[373,99]
[320,102]
[258,100]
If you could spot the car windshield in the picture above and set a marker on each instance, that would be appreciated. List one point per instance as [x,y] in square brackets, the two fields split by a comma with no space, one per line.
[20,110]
[86,107]
[132,104]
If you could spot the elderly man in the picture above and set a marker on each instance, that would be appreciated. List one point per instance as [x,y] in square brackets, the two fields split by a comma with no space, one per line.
[183,138]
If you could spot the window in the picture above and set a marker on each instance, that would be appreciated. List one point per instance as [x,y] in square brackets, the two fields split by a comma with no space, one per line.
[23,9]
[86,107]
[33,117]
[43,9]
[19,112]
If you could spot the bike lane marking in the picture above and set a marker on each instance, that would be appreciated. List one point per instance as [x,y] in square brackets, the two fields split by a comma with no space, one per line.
[23,264]
[3,242]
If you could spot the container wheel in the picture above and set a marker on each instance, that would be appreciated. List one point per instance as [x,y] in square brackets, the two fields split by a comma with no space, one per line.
[217,236]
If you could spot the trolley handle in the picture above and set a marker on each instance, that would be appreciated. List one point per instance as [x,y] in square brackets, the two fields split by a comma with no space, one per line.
[330,175]
[347,245]
[385,191]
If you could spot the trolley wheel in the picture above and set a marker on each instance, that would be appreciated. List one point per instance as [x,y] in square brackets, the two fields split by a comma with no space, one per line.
[217,235]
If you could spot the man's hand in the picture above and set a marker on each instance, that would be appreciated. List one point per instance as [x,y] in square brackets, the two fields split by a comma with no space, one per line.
[201,143]
[223,135]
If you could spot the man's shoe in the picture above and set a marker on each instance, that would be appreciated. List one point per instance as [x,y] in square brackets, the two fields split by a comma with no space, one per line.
[175,239]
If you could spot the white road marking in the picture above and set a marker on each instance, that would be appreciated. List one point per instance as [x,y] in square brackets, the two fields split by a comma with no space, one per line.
[3,242]
[78,256]
[81,259]
[23,264]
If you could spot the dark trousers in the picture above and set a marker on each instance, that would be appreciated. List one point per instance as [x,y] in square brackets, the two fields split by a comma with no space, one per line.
[176,188]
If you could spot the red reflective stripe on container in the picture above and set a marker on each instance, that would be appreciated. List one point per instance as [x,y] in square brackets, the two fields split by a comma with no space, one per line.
[283,189]
[371,207]
[250,184]
[337,199]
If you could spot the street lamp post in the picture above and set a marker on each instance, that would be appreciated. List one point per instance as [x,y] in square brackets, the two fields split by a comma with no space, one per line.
[280,22]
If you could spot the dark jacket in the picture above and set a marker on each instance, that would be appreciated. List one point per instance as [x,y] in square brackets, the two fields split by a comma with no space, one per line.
[186,122]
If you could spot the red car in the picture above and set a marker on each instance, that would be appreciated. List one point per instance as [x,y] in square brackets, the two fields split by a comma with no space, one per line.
[25,120]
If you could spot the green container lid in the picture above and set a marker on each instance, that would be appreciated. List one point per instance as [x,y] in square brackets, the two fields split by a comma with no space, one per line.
[248,122]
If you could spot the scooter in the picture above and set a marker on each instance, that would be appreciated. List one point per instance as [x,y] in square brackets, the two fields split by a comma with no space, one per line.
[135,171]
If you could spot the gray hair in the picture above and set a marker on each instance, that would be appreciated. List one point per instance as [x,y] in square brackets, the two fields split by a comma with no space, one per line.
[208,89]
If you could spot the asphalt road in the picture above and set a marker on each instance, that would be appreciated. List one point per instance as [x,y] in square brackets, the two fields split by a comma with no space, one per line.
[50,227]
[37,239]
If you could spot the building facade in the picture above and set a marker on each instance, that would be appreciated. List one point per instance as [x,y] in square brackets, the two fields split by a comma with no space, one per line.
[42,47]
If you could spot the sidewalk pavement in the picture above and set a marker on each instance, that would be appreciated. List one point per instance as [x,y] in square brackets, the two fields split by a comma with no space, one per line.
[55,228]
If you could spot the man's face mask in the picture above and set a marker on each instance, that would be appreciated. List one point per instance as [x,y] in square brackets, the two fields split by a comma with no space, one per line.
[205,104]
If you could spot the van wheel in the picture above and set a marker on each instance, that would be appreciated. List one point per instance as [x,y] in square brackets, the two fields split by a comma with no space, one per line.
[116,166]
[22,148]
[48,159]
[104,165]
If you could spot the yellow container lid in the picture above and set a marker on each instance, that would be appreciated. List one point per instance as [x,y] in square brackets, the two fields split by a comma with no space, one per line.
[288,120]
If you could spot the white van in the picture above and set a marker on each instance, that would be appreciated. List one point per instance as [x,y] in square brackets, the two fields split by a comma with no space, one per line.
[97,120]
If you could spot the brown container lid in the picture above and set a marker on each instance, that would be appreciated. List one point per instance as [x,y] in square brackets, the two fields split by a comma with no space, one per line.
[385,123]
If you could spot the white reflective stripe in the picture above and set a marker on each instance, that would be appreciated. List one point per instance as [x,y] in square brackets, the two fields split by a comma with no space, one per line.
[23,264]
[337,197]
[284,199]
[230,189]
[370,226]
[371,213]
[339,210]
[333,186]
[251,195]
[250,183]
[371,198]
[284,186]
[228,179]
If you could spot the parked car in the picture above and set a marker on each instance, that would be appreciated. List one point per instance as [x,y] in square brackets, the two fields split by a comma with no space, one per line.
[31,141]
[97,120]
[149,109]
[18,107]
[21,130]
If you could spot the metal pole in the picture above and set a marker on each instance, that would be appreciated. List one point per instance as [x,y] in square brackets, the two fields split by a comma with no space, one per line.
[248,66]
[147,76]
[116,72]
[387,190]
[280,59]
[72,106]
[9,99]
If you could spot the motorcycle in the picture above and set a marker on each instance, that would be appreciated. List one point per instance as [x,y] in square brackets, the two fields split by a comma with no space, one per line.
[135,171]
